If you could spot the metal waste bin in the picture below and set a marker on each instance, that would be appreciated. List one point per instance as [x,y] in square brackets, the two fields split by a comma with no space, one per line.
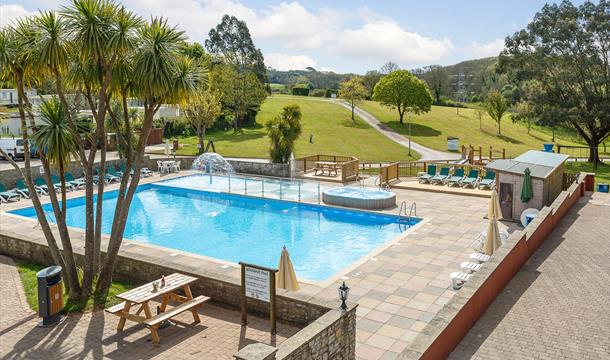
[50,299]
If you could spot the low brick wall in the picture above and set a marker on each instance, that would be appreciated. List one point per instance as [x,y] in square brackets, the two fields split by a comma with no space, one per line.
[445,331]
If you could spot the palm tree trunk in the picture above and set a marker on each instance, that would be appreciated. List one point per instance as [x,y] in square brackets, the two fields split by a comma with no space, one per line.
[68,269]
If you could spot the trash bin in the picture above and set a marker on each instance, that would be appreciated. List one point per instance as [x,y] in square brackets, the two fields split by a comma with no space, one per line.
[175,145]
[50,299]
[453,143]
[601,187]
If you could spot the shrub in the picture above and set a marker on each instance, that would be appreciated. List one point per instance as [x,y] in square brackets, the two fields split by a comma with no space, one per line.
[318,93]
[283,132]
[300,90]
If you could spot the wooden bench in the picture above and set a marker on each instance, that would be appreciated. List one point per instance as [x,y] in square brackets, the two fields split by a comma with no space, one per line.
[192,305]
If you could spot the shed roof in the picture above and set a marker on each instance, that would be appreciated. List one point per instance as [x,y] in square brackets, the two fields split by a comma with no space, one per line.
[540,163]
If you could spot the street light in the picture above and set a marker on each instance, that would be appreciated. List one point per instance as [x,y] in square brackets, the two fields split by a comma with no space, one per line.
[343,292]
[410,113]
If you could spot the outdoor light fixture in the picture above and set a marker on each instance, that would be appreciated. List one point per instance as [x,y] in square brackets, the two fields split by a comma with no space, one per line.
[343,292]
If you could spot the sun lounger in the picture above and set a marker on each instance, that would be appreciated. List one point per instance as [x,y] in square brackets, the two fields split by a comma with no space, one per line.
[77,183]
[479,257]
[57,184]
[428,175]
[441,177]
[478,243]
[472,179]
[108,178]
[8,195]
[42,185]
[470,266]
[121,171]
[489,181]
[144,172]
[112,172]
[458,279]
[456,178]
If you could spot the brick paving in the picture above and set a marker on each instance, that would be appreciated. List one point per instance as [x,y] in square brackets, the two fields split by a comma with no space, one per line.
[557,306]
[93,335]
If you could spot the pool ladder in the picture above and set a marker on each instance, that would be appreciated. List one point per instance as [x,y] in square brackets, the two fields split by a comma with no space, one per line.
[402,212]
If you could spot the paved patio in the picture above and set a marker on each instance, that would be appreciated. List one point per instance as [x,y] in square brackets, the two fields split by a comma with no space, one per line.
[400,286]
[556,307]
[94,336]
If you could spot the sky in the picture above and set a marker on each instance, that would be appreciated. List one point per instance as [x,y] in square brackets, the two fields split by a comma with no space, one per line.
[342,35]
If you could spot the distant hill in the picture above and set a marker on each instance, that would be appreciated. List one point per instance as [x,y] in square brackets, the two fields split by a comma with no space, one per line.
[478,77]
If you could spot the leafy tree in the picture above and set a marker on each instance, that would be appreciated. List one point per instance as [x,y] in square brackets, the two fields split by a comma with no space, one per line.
[388,68]
[370,79]
[403,91]
[240,93]
[524,111]
[353,90]
[480,115]
[283,132]
[438,81]
[496,106]
[202,110]
[97,50]
[566,49]
[231,42]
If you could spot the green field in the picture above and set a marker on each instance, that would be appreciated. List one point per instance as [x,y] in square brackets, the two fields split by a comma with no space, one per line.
[333,133]
[431,129]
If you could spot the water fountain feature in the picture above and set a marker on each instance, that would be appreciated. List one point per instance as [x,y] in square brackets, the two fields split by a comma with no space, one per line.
[210,163]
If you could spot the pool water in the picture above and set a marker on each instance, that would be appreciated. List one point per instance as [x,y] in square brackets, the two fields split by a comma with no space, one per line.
[321,240]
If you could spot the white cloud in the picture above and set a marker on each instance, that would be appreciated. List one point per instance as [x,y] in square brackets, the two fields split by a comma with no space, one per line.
[9,13]
[288,62]
[296,27]
[385,39]
[474,49]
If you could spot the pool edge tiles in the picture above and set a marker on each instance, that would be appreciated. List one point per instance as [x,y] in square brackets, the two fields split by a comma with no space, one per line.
[382,229]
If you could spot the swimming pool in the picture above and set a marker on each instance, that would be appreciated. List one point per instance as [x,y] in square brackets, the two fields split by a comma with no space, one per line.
[321,240]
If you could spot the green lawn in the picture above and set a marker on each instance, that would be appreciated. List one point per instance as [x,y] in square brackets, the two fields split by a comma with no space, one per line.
[333,133]
[602,174]
[431,129]
[27,272]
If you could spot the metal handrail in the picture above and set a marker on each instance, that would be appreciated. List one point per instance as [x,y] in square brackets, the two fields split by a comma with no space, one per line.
[413,209]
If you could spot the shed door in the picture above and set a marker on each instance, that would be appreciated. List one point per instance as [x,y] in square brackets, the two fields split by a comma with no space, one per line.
[506,200]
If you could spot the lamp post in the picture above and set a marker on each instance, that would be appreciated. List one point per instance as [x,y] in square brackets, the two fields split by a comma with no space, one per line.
[410,113]
[343,293]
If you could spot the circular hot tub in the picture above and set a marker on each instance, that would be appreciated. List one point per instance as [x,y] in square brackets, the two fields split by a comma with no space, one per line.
[353,197]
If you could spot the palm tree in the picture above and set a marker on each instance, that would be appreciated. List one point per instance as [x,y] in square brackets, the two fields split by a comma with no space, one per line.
[160,75]
[54,138]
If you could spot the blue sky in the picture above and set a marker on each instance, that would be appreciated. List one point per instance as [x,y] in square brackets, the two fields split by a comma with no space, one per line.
[343,36]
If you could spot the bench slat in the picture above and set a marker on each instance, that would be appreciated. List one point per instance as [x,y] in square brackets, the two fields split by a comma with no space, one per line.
[116,308]
[176,310]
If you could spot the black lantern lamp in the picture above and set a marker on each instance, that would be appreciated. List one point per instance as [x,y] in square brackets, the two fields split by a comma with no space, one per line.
[343,293]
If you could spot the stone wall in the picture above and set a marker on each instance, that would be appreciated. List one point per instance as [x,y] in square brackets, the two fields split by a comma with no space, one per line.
[442,334]
[254,167]
[332,336]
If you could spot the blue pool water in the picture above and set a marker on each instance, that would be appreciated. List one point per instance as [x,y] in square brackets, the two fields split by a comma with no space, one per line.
[321,240]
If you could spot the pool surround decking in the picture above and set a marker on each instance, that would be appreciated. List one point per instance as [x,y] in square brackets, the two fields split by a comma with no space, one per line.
[399,287]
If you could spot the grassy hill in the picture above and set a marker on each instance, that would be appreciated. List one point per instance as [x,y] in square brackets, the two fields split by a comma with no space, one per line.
[431,129]
[333,133]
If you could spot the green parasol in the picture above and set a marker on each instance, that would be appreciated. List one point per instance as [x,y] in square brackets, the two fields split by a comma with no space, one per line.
[526,189]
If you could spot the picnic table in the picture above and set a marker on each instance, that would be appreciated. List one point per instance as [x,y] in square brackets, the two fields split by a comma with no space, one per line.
[141,296]
[329,166]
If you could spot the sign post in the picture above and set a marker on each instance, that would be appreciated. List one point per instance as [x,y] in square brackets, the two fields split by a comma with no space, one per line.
[258,282]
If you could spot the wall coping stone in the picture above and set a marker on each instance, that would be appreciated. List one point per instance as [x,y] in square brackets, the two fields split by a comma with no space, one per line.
[256,351]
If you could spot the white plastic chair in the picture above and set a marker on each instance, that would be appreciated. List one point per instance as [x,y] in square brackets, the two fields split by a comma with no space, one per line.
[481,258]
[458,279]
[470,266]
[176,166]
[162,166]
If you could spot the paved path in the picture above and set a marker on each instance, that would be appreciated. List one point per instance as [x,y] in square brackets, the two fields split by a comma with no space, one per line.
[557,306]
[93,335]
[425,152]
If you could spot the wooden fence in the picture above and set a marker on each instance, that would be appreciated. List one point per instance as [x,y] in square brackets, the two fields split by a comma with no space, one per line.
[569,179]
[350,171]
